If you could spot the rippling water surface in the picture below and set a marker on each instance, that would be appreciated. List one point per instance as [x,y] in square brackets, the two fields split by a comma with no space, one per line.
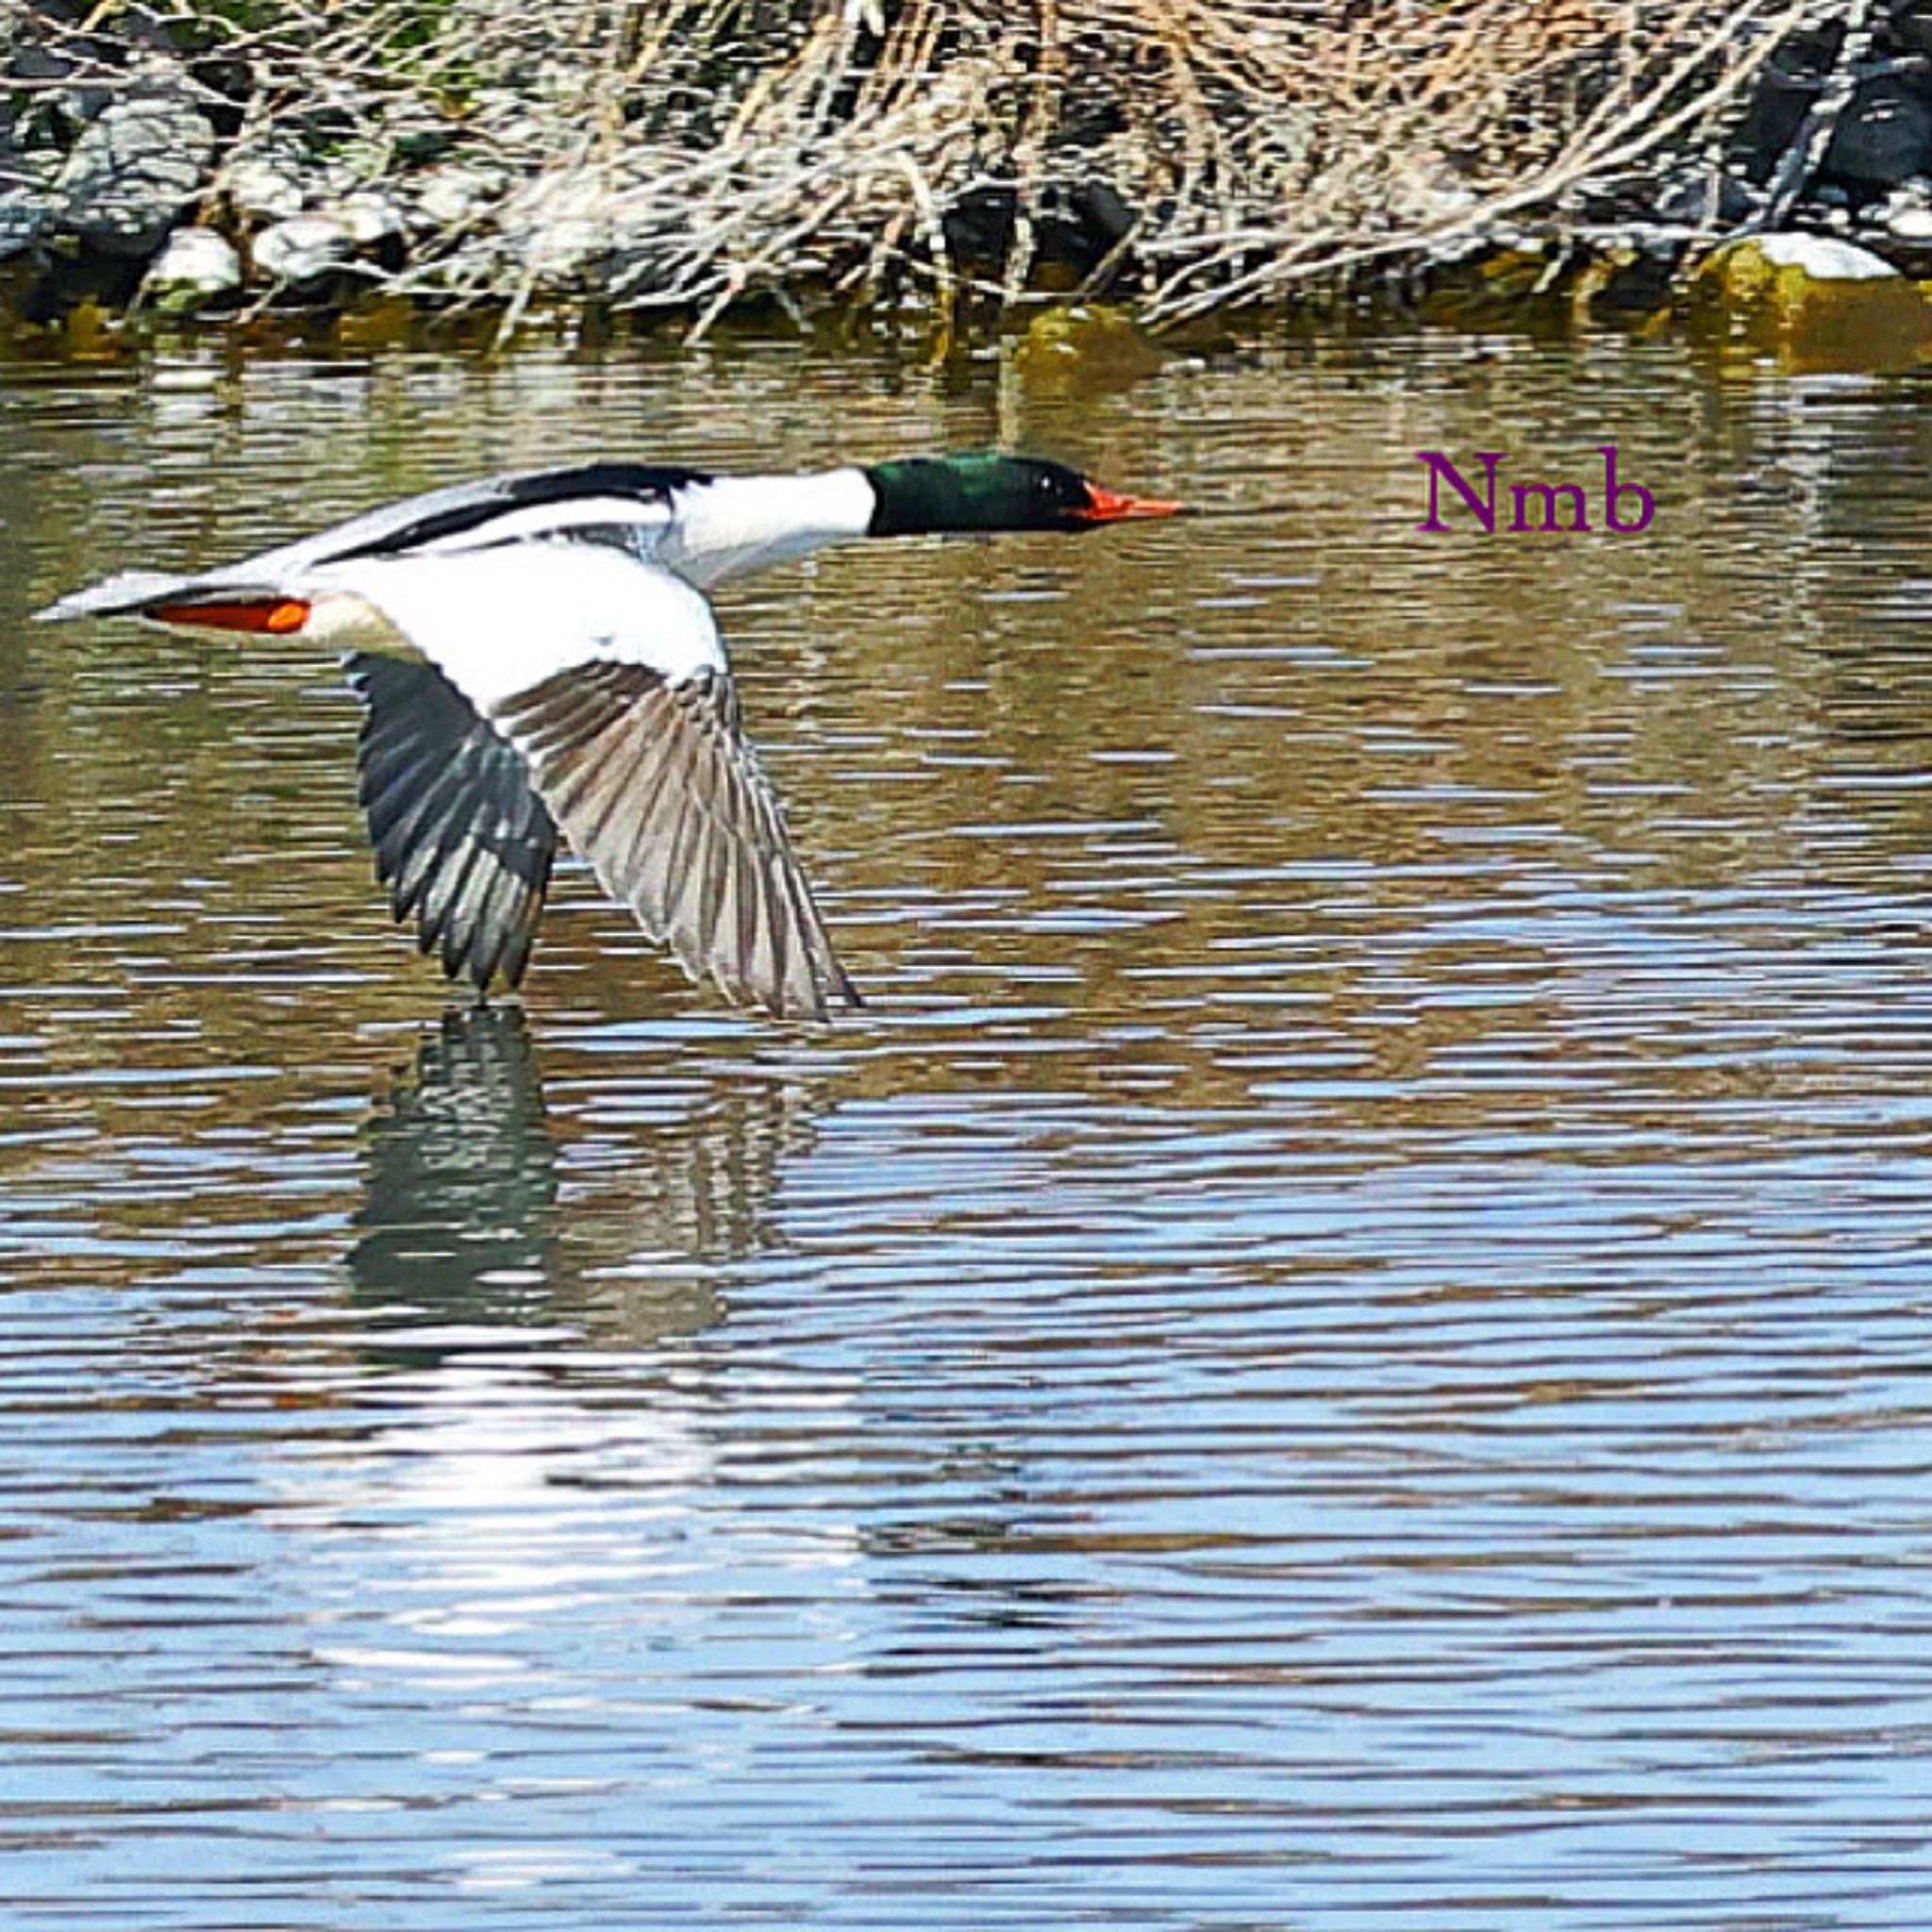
[1343,1343]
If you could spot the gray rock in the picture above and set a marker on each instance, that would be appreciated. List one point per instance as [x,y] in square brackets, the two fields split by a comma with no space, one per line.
[1702,198]
[26,214]
[265,187]
[1912,25]
[1820,257]
[1786,90]
[561,226]
[370,217]
[304,250]
[134,171]
[1905,214]
[27,206]
[453,196]
[39,65]
[1884,135]
[195,268]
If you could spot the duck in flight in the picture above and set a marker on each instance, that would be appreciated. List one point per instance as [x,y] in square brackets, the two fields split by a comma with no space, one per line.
[535,653]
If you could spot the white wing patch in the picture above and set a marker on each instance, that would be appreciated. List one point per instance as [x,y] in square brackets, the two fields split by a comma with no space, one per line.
[497,622]
[556,519]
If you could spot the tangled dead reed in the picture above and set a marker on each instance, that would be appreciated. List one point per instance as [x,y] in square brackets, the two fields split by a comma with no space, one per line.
[1183,156]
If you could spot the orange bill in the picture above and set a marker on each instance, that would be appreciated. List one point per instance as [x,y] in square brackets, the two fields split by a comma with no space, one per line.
[1106,507]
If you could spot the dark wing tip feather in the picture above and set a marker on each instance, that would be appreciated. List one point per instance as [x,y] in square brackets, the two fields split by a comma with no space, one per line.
[461,840]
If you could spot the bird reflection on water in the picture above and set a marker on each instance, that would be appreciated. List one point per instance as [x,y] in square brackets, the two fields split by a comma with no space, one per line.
[462,1175]
[476,1219]
[539,1413]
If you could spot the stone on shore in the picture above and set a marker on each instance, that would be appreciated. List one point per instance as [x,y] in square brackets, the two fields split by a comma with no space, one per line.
[195,267]
[304,251]
[454,196]
[562,227]
[26,212]
[265,187]
[1883,138]
[1815,302]
[134,172]
[372,217]
[28,202]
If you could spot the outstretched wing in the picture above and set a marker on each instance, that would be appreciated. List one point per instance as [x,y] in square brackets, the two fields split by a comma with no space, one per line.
[462,840]
[659,789]
[603,677]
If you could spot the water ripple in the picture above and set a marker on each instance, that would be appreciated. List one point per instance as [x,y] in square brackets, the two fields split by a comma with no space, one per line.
[1343,1337]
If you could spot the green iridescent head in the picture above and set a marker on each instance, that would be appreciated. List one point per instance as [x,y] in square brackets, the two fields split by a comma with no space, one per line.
[988,490]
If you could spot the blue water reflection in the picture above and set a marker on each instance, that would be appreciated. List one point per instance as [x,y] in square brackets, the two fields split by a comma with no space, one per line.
[1344,1338]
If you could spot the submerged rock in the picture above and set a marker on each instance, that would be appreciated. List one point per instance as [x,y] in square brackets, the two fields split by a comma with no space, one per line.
[1085,342]
[1818,302]
[1513,279]
[134,172]
[1629,281]
[195,268]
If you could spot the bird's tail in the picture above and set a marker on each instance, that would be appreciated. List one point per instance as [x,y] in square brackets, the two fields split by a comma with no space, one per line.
[132,590]
[139,592]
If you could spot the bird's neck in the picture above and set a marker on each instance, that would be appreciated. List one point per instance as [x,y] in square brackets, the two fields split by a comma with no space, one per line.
[729,527]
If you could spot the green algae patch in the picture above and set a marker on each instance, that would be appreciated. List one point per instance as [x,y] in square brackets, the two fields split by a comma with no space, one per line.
[1506,286]
[1814,303]
[1086,343]
[1628,287]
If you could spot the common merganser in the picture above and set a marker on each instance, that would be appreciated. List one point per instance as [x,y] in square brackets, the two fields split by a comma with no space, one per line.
[534,651]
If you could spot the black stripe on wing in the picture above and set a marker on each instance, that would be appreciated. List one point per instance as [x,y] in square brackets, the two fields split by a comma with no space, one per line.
[397,528]
[462,840]
[448,512]
[656,786]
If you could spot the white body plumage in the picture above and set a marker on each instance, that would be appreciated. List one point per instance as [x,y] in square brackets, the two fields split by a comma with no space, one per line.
[498,621]
[536,655]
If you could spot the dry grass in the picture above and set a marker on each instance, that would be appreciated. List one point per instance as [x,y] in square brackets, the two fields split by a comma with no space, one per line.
[688,153]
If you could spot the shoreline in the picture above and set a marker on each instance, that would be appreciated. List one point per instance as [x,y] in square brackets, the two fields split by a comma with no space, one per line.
[942,170]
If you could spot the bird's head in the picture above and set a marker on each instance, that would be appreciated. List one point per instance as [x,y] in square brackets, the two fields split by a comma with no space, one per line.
[987,490]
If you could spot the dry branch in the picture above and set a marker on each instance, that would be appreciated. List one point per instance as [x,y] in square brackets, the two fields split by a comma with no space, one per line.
[1191,152]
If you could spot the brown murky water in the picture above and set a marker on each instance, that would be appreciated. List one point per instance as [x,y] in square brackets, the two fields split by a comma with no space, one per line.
[1345,1338]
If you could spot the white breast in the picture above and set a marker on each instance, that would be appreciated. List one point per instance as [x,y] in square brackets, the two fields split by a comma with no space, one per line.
[736,524]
